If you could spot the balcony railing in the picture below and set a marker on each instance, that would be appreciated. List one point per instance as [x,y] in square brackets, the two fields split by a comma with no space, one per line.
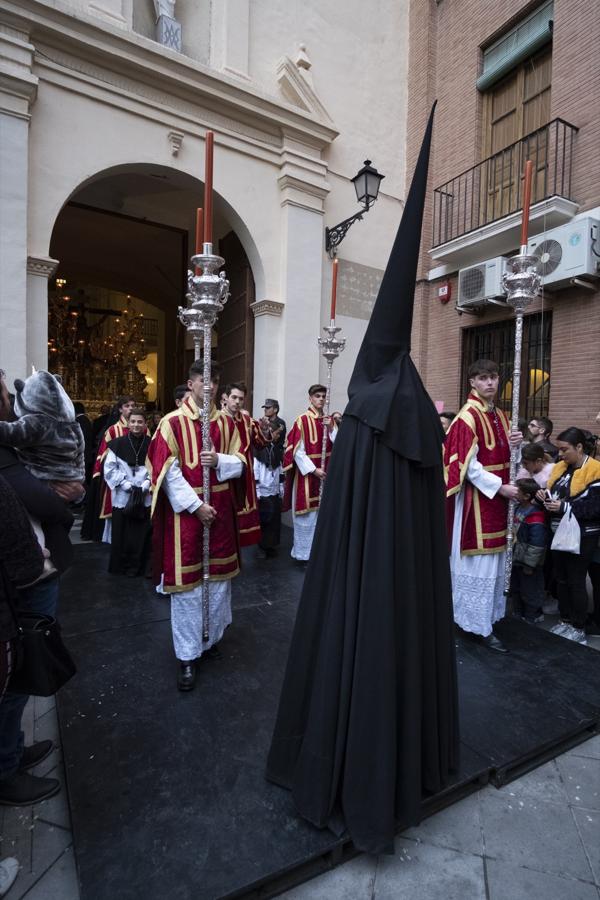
[493,188]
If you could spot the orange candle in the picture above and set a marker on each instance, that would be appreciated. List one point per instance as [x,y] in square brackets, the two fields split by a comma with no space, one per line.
[208,187]
[526,202]
[199,234]
[334,289]
[199,229]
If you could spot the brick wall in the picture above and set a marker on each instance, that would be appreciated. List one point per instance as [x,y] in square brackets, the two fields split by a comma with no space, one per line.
[444,62]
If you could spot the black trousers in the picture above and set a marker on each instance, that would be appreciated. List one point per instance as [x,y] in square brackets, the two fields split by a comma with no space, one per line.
[130,544]
[570,571]
[527,591]
[594,573]
[269,510]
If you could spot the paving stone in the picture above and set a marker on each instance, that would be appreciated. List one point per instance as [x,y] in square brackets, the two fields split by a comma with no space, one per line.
[588,822]
[46,727]
[59,882]
[457,827]
[41,705]
[590,748]
[354,880]
[48,842]
[56,809]
[581,776]
[533,834]
[544,783]
[421,871]
[514,882]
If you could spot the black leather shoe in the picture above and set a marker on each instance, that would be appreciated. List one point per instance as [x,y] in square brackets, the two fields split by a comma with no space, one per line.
[35,754]
[22,789]
[494,643]
[187,675]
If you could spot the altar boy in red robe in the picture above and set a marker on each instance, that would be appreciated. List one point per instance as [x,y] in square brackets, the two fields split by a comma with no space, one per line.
[175,461]
[304,473]
[476,469]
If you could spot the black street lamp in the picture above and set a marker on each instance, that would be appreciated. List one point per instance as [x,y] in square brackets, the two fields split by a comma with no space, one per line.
[366,184]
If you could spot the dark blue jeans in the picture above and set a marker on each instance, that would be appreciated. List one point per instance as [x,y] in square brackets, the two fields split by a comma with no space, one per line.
[40,598]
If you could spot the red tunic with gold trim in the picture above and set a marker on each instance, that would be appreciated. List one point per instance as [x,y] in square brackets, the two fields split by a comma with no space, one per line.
[308,428]
[476,428]
[248,516]
[114,431]
[177,537]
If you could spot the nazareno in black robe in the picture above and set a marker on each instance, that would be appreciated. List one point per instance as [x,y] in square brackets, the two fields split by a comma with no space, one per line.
[368,716]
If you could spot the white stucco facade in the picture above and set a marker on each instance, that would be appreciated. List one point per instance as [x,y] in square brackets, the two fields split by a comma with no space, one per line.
[298,95]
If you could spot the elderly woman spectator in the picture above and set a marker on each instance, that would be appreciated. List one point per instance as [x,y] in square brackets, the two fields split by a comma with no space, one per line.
[575,480]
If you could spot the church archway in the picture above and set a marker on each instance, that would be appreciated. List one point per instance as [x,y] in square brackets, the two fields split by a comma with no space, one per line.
[123,241]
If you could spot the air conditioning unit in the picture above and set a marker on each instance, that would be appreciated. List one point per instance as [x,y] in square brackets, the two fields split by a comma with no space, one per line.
[571,251]
[480,284]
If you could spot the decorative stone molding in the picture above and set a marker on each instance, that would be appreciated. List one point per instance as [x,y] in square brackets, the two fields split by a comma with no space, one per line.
[18,85]
[266,308]
[297,87]
[175,140]
[44,266]
[300,192]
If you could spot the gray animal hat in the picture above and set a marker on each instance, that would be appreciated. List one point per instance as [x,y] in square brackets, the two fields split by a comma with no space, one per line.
[43,394]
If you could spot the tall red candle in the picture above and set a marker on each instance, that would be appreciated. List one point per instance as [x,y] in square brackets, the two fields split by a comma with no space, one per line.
[526,202]
[199,229]
[208,187]
[334,289]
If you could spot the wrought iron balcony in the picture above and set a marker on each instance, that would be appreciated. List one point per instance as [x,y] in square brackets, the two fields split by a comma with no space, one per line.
[493,188]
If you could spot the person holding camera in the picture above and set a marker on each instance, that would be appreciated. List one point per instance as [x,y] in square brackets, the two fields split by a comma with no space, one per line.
[575,483]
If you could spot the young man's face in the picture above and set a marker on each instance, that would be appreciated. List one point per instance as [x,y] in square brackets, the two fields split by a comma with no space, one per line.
[486,385]
[535,429]
[137,424]
[196,386]
[126,408]
[318,400]
[234,401]
[270,411]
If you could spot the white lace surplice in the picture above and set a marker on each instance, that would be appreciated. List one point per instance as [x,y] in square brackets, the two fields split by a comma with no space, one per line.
[186,606]
[477,581]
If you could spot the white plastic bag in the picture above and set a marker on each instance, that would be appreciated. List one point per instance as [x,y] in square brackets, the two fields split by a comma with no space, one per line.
[567,536]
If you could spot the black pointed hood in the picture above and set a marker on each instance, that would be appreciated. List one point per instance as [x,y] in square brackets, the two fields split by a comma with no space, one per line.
[386,391]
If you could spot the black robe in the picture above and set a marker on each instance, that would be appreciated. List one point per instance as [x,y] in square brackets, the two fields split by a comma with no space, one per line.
[368,717]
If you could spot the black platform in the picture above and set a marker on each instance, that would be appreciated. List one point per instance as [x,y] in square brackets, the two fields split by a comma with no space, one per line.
[167,790]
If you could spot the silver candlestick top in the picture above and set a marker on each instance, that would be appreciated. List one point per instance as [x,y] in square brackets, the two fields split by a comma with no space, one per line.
[522,281]
[331,347]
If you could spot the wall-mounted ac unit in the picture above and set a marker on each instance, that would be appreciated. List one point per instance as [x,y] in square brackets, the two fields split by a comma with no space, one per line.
[480,284]
[571,251]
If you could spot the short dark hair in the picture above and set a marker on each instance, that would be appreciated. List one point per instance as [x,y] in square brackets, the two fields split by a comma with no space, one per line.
[127,398]
[483,367]
[180,391]
[532,452]
[79,408]
[529,486]
[546,424]
[197,370]
[138,411]
[236,386]
[315,388]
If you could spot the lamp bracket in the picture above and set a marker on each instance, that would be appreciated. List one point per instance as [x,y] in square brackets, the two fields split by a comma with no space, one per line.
[335,235]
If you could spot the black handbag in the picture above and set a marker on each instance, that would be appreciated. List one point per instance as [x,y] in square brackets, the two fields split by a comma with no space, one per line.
[43,663]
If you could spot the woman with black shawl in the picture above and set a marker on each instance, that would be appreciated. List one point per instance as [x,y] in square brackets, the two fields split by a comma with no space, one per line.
[125,474]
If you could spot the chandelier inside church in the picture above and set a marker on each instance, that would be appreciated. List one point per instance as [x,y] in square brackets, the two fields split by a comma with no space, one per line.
[96,351]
